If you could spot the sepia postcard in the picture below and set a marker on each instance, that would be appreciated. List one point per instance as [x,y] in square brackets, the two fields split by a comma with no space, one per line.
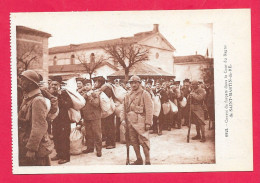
[101,92]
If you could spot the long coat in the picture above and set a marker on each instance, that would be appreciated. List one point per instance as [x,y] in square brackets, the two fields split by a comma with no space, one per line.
[138,120]
[33,126]
[92,110]
[198,95]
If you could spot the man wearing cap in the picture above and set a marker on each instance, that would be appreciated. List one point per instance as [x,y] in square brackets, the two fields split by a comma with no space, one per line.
[196,97]
[34,142]
[107,124]
[186,89]
[61,124]
[91,113]
[138,112]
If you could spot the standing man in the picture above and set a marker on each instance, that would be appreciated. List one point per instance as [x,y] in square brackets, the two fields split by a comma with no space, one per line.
[108,123]
[185,111]
[197,96]
[91,113]
[138,112]
[61,126]
[34,142]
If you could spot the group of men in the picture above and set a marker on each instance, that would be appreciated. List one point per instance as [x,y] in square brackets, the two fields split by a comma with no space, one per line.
[36,118]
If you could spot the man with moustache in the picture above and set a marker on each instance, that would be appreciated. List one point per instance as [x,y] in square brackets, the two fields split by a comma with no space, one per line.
[137,116]
[61,125]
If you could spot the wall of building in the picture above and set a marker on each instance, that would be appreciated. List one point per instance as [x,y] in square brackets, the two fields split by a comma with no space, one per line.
[25,44]
[191,71]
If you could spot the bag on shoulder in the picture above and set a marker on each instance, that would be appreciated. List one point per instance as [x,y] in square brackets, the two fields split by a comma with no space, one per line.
[119,93]
[166,108]
[174,107]
[107,105]
[183,102]
[78,101]
[74,115]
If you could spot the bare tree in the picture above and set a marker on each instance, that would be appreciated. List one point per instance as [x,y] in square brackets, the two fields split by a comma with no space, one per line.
[127,55]
[27,53]
[92,63]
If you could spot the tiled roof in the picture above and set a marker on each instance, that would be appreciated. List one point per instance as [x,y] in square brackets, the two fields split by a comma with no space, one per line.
[191,58]
[75,68]
[98,44]
[27,30]
[142,69]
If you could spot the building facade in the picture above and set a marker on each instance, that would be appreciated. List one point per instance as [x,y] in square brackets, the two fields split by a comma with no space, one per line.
[161,54]
[192,67]
[32,50]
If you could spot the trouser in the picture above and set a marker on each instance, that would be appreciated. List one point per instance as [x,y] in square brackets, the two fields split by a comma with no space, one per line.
[61,138]
[39,161]
[118,122]
[200,125]
[108,130]
[157,124]
[165,120]
[93,134]
[136,140]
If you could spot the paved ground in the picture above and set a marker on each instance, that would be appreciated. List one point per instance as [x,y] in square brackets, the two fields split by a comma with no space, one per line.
[170,148]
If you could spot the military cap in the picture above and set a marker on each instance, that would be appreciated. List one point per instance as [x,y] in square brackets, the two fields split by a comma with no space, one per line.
[194,82]
[85,81]
[177,82]
[135,78]
[80,79]
[186,80]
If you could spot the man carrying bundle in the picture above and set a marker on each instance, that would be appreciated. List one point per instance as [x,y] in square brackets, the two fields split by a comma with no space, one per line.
[137,116]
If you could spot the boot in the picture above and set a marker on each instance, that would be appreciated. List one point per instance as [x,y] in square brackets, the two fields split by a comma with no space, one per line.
[88,151]
[202,127]
[197,137]
[137,162]
[147,154]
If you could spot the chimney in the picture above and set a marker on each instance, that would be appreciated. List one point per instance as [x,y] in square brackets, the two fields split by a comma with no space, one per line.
[155,27]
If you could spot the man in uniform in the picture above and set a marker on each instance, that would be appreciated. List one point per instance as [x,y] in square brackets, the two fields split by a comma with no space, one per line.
[91,113]
[138,112]
[196,98]
[34,142]
[61,126]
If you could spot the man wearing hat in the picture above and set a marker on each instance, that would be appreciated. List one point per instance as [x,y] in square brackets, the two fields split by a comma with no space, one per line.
[196,97]
[34,142]
[107,124]
[138,112]
[61,124]
[91,113]
[186,89]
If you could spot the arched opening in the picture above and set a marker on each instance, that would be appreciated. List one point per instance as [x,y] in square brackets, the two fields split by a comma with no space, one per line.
[72,59]
[55,60]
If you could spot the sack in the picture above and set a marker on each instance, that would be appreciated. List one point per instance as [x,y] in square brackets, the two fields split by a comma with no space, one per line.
[118,108]
[48,103]
[166,108]
[78,101]
[183,102]
[107,105]
[119,93]
[122,134]
[104,102]
[74,115]
[156,105]
[174,107]
[76,138]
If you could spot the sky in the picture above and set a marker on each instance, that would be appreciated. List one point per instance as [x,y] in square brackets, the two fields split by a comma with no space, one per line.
[179,28]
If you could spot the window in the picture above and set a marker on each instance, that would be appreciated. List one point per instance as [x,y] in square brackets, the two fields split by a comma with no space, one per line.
[54,60]
[72,59]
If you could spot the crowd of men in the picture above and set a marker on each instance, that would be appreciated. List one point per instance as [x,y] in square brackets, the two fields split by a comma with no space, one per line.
[39,121]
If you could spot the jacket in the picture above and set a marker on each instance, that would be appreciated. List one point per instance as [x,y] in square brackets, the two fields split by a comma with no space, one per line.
[92,109]
[33,126]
